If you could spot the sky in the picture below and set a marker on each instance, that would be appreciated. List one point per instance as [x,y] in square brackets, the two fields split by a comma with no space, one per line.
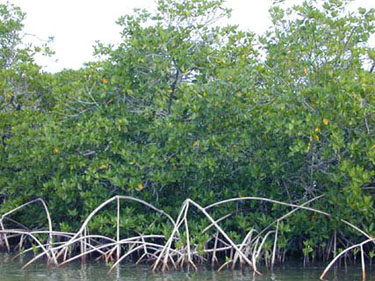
[77,24]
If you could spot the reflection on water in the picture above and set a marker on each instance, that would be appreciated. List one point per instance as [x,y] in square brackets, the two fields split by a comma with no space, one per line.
[11,271]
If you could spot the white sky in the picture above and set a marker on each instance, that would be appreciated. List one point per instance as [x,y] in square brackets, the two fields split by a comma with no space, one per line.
[77,24]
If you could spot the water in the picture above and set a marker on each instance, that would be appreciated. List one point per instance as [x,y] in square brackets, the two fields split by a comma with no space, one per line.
[11,271]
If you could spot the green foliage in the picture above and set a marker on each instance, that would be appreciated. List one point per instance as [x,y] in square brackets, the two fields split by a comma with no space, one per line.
[185,108]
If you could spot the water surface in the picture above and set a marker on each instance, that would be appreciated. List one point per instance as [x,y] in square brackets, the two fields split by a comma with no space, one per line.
[94,271]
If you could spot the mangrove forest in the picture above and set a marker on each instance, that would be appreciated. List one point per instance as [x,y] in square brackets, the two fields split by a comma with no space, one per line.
[194,142]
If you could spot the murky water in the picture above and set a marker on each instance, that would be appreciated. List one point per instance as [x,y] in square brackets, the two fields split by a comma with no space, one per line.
[11,271]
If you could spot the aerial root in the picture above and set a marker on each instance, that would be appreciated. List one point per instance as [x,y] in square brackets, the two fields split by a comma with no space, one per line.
[177,250]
